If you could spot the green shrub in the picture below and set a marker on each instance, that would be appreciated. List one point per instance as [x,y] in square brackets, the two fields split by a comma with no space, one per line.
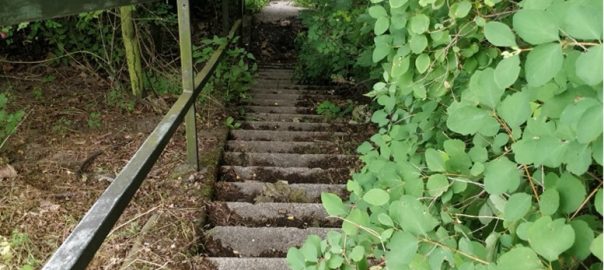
[234,73]
[489,150]
[8,120]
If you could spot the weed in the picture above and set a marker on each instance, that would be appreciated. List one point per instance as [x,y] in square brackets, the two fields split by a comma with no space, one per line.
[8,120]
[37,94]
[231,123]
[17,250]
[332,110]
[120,99]
[94,120]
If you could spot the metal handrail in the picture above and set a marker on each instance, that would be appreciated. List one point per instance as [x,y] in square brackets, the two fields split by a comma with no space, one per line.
[79,248]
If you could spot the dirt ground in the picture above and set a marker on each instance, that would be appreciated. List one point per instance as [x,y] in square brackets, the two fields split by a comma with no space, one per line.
[65,156]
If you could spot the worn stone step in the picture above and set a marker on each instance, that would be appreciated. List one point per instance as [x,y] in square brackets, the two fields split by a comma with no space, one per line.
[289,117]
[275,102]
[279,109]
[300,126]
[295,96]
[268,85]
[252,191]
[229,263]
[289,160]
[269,214]
[289,174]
[232,241]
[283,147]
[275,91]
[277,135]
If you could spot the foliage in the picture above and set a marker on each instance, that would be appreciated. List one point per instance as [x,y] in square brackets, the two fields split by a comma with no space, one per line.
[234,73]
[231,123]
[11,248]
[332,110]
[8,120]
[94,120]
[337,34]
[255,6]
[489,152]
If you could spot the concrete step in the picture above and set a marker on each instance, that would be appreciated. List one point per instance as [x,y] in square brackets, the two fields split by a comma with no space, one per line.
[289,174]
[252,191]
[227,263]
[296,96]
[268,91]
[277,135]
[231,241]
[289,160]
[268,85]
[270,214]
[279,109]
[285,117]
[282,147]
[277,102]
[300,126]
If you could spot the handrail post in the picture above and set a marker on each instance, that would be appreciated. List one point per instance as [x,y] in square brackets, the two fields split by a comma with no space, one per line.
[188,84]
[225,17]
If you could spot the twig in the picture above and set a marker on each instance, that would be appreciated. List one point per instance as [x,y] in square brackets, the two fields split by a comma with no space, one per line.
[593,192]
[456,251]
[15,129]
[131,220]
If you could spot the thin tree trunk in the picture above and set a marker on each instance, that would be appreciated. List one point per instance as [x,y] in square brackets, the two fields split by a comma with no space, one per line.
[133,54]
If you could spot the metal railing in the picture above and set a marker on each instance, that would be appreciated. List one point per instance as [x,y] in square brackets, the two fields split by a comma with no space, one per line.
[79,248]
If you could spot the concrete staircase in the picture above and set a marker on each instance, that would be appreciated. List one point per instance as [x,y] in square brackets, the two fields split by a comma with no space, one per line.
[274,170]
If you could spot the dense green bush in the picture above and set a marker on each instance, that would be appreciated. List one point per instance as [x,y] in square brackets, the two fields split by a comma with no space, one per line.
[489,152]
[338,34]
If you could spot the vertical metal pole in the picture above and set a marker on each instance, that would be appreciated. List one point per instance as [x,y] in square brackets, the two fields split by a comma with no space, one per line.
[225,17]
[188,85]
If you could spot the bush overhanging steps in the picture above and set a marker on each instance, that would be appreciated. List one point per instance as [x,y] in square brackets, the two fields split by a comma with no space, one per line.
[275,167]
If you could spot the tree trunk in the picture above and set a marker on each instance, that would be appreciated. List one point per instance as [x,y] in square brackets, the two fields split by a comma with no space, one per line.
[133,54]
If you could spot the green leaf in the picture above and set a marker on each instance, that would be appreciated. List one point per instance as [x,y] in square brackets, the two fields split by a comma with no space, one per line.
[499,34]
[549,202]
[501,175]
[515,109]
[311,248]
[402,248]
[388,102]
[535,4]
[295,259]
[435,160]
[333,204]
[598,201]
[357,253]
[397,3]
[584,235]
[414,217]
[400,65]
[535,26]
[422,62]
[483,86]
[589,126]
[583,19]
[507,71]
[550,238]
[385,219]
[467,120]
[543,63]
[419,24]
[377,11]
[376,197]
[596,247]
[517,207]
[519,258]
[437,185]
[589,65]
[381,25]
[460,9]
[418,43]
[572,193]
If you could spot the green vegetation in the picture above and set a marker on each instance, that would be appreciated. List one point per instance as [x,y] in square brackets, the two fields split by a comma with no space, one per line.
[233,74]
[8,120]
[489,150]
[332,110]
[255,6]
[16,250]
